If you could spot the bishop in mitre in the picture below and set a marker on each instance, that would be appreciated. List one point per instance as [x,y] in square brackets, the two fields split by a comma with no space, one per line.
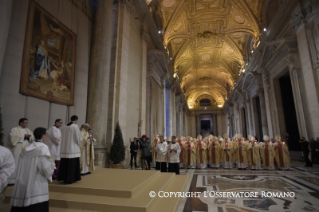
[201,157]
[190,153]
[267,154]
[254,154]
[240,148]
[214,150]
[281,154]
[19,137]
[227,153]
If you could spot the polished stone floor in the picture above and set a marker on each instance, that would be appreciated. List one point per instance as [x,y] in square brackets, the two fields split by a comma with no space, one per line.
[300,185]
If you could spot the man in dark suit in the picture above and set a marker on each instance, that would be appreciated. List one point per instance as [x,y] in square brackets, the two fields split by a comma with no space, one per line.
[133,151]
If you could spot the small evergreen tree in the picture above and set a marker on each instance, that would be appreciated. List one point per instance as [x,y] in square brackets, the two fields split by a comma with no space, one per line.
[117,153]
[1,129]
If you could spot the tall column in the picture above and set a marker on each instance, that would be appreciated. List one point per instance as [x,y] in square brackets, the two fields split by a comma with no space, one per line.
[97,112]
[263,113]
[310,78]
[296,90]
[164,104]
[143,85]
[249,115]
[266,86]
[100,70]
[198,127]
[5,16]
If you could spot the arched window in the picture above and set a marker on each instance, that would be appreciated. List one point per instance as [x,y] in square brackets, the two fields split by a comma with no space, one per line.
[205,102]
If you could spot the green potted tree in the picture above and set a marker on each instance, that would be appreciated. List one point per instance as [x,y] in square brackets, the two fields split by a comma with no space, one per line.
[117,153]
[1,129]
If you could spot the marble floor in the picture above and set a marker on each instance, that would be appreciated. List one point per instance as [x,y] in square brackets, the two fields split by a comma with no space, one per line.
[297,189]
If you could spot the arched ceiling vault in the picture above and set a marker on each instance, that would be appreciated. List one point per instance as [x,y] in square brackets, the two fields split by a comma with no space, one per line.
[207,40]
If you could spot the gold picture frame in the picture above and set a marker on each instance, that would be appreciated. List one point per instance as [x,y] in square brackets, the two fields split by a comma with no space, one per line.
[48,64]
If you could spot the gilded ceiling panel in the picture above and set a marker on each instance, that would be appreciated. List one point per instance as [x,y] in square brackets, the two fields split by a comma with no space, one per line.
[206,39]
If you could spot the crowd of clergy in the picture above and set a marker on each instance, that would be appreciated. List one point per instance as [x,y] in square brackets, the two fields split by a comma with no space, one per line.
[219,152]
[62,153]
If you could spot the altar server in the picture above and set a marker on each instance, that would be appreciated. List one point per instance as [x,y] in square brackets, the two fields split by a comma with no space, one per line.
[69,170]
[7,166]
[35,168]
[174,150]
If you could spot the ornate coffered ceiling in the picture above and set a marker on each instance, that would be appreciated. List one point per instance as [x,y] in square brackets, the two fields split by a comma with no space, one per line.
[209,42]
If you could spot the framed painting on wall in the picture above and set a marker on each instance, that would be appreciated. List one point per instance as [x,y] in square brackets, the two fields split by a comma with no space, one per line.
[48,64]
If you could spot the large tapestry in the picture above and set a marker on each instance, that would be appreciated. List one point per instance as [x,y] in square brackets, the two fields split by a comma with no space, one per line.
[48,58]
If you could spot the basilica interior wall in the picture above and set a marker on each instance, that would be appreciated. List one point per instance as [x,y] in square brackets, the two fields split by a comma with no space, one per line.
[40,112]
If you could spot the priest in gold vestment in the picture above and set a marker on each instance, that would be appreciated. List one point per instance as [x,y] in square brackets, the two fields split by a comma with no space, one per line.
[267,154]
[240,149]
[214,151]
[254,154]
[190,154]
[201,157]
[281,154]
[227,152]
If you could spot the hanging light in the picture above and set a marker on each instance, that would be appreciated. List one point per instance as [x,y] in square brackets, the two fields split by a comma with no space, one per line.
[265,29]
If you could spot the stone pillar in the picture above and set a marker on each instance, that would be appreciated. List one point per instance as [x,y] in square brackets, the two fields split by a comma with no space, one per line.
[263,113]
[5,17]
[142,109]
[249,114]
[296,90]
[163,84]
[173,112]
[310,78]
[198,127]
[99,74]
[267,88]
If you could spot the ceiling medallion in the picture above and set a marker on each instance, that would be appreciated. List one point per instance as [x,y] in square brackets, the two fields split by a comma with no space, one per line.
[238,19]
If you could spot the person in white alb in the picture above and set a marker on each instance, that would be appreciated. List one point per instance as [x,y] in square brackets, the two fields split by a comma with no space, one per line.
[69,170]
[35,168]
[19,138]
[161,150]
[174,150]
[7,167]
[53,140]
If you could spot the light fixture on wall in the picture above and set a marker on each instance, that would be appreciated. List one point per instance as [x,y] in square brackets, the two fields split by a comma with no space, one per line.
[171,58]
[205,108]
[265,29]
[252,51]
[159,32]
[220,105]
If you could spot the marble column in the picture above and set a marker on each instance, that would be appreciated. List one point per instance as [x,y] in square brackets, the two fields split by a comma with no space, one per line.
[249,115]
[163,84]
[298,102]
[99,76]
[263,113]
[310,78]
[5,16]
[266,86]
[143,83]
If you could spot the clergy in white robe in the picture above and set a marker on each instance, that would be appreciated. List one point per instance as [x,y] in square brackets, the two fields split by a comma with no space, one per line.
[7,167]
[35,168]
[69,170]
[161,150]
[19,138]
[53,141]
[174,150]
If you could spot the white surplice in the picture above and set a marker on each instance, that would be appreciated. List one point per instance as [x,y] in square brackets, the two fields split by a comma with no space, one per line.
[34,169]
[174,156]
[71,141]
[7,166]
[53,140]
[17,143]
